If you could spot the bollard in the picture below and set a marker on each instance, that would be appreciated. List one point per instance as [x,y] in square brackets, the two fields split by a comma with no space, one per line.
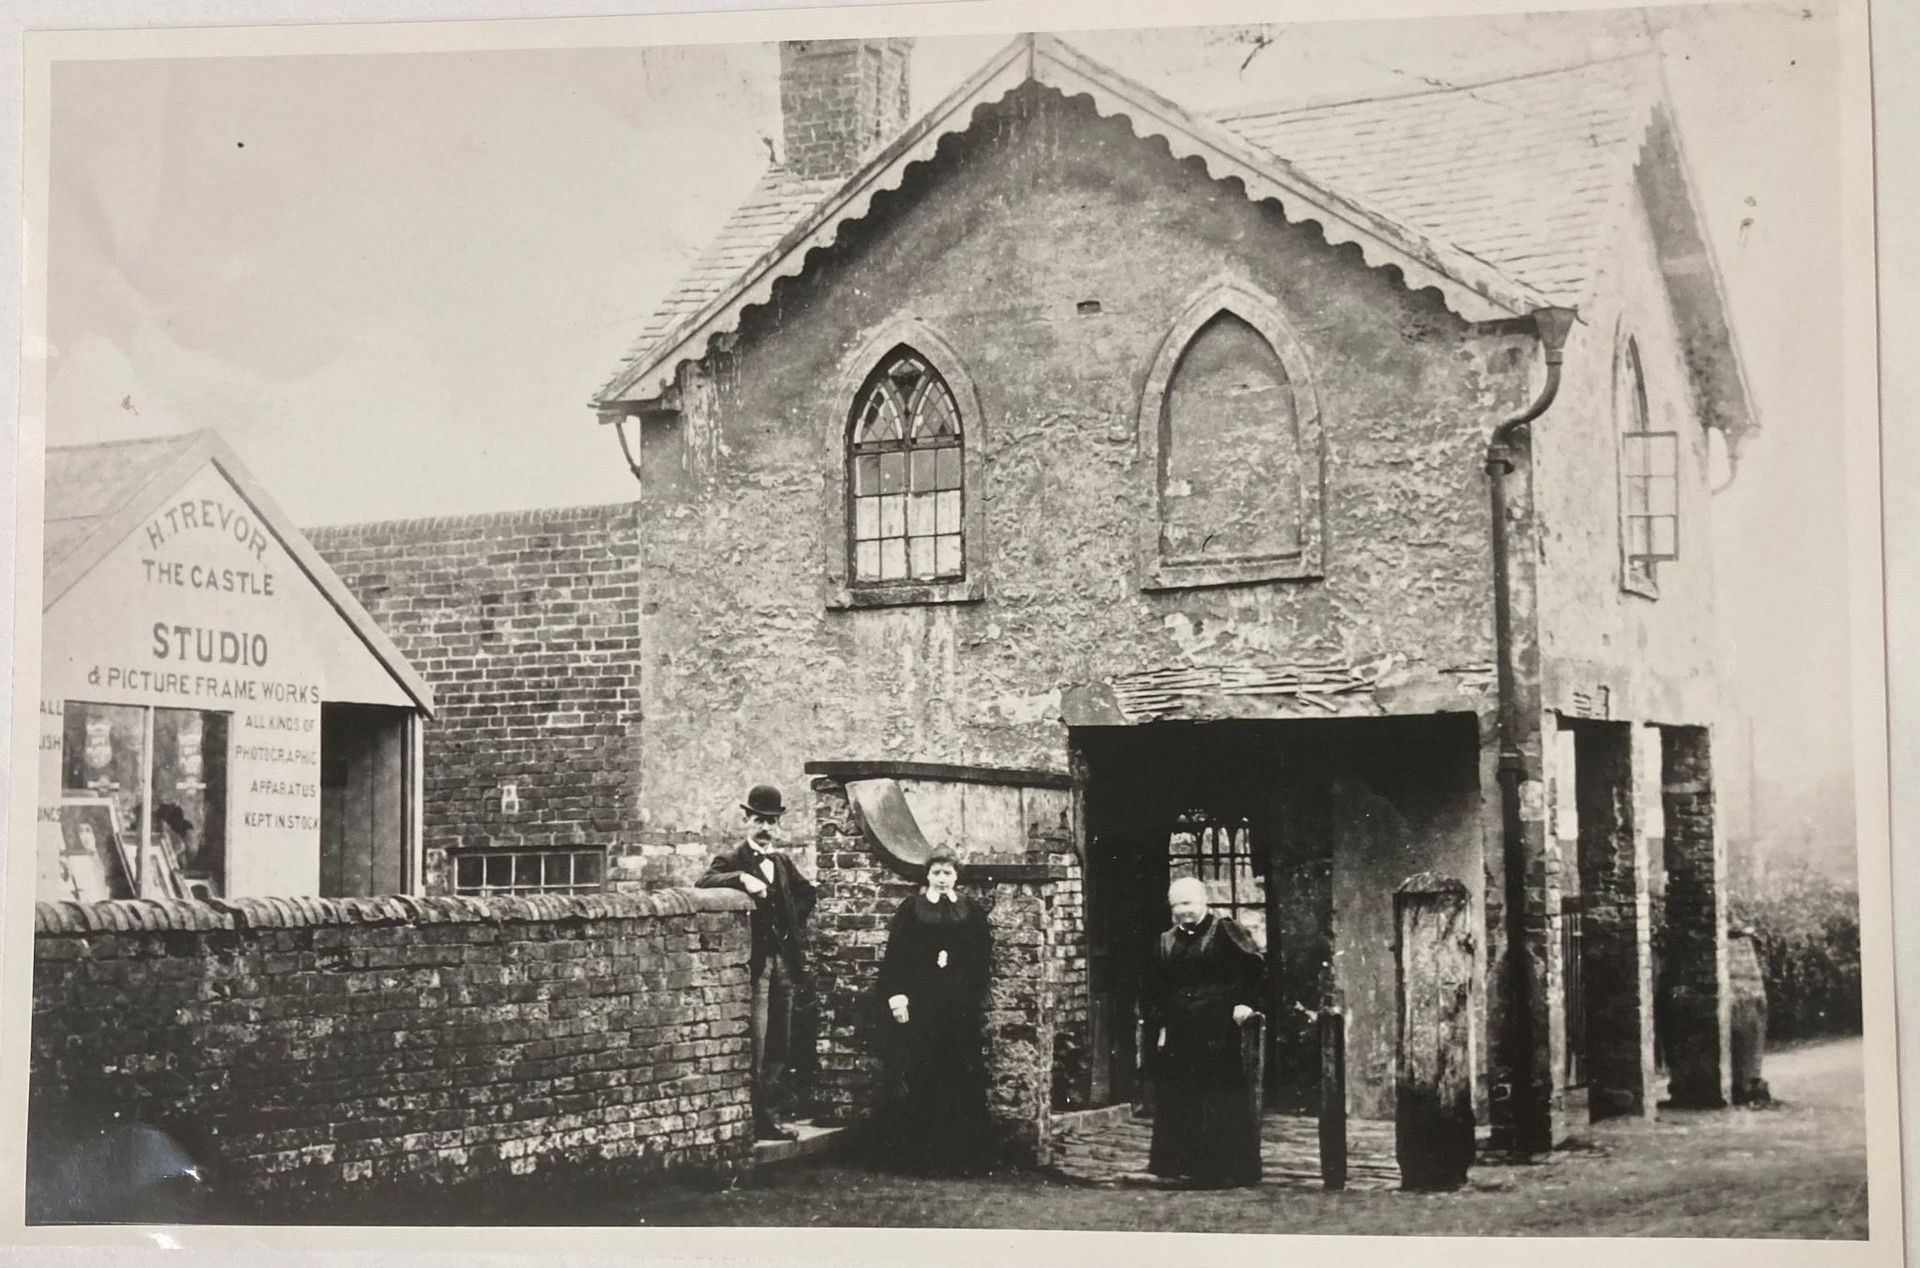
[1253,1062]
[1332,1024]
[1747,989]
[1433,1112]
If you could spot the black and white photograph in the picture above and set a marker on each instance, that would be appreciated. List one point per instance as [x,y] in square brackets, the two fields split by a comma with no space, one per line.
[956,617]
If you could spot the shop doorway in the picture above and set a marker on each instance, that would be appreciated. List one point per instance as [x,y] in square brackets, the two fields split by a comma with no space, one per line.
[366,774]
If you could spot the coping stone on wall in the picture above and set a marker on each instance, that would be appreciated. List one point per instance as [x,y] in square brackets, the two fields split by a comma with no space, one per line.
[143,915]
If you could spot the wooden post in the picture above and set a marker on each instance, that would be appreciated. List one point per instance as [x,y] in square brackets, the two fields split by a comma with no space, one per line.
[1253,1062]
[1332,1023]
[1433,1119]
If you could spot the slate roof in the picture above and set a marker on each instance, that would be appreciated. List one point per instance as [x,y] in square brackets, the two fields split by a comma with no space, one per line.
[87,483]
[778,202]
[1498,194]
[1524,173]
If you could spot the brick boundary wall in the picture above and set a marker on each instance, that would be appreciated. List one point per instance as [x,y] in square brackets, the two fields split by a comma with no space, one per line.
[1037,1006]
[361,1058]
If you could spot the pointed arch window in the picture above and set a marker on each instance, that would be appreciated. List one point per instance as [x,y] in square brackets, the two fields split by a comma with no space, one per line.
[906,486]
[1233,458]
[1229,451]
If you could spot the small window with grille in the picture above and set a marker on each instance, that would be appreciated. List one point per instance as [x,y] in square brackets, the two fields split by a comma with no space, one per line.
[905,489]
[1219,851]
[494,873]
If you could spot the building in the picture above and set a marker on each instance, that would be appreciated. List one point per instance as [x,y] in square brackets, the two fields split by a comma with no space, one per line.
[1063,437]
[527,623]
[219,717]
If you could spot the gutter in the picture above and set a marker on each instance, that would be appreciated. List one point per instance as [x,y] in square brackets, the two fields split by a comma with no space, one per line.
[1552,325]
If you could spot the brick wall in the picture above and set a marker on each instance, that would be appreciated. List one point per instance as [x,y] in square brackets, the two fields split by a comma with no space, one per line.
[1070,1005]
[353,1058]
[527,625]
[1034,1031]
[1699,1002]
[839,101]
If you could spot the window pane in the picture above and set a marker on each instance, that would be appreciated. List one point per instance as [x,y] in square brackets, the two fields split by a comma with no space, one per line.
[190,794]
[466,872]
[948,518]
[947,557]
[880,418]
[866,561]
[920,515]
[1664,457]
[1633,455]
[102,756]
[893,472]
[1665,531]
[925,473]
[936,416]
[1636,495]
[1638,538]
[893,517]
[1660,496]
[866,474]
[526,870]
[920,555]
[499,871]
[556,870]
[948,467]
[866,518]
[893,559]
[586,869]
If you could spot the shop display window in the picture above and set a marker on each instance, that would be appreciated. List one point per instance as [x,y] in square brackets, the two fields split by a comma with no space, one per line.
[164,774]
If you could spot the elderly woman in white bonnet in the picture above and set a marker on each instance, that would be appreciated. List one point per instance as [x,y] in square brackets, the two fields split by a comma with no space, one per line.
[1206,978]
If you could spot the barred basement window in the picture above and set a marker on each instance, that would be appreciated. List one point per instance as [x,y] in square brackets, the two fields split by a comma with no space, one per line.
[1649,481]
[513,873]
[905,493]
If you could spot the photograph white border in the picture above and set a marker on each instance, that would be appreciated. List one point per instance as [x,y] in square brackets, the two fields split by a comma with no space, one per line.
[507,26]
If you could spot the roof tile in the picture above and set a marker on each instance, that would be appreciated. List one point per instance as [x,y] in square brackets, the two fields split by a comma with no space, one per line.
[1519,174]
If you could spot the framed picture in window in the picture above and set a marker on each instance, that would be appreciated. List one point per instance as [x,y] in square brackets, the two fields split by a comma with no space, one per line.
[96,857]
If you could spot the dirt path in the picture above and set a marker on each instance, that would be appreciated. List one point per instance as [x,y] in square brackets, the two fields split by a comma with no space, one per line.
[1795,1171]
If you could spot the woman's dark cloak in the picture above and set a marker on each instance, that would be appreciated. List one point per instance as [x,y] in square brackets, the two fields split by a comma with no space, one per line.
[941,1124]
[1203,1125]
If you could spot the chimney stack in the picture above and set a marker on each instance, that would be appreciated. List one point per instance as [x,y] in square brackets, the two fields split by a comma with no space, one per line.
[840,100]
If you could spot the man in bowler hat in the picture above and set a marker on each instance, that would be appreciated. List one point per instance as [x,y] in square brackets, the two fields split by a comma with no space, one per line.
[782,901]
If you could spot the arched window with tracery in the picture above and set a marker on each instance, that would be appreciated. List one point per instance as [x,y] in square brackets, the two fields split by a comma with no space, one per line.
[906,495]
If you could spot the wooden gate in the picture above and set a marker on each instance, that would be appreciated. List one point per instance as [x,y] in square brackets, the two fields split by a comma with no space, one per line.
[1433,948]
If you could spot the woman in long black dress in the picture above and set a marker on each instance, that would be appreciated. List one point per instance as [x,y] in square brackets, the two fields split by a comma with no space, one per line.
[1206,980]
[934,980]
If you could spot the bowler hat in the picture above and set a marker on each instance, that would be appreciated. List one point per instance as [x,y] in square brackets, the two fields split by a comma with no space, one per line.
[764,800]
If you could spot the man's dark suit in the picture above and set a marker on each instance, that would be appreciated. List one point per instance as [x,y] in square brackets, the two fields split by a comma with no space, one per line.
[777,958]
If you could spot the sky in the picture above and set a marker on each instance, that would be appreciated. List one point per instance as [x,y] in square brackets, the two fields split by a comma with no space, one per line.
[393,282]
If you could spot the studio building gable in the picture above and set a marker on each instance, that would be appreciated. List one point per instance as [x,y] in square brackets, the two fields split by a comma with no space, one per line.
[219,717]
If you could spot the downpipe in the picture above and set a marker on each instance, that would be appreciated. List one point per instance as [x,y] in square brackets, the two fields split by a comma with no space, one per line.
[1551,325]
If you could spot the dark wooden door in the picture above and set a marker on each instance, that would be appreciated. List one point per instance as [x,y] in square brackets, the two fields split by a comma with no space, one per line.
[364,802]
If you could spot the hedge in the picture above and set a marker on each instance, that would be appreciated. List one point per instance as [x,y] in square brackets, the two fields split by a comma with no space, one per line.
[1807,927]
